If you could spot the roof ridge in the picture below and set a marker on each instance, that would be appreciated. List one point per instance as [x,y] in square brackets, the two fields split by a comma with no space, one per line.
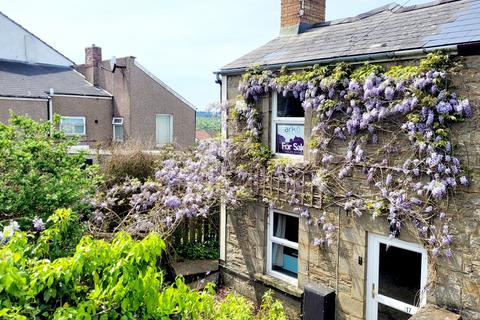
[393,7]
[46,65]
[18,24]
[425,5]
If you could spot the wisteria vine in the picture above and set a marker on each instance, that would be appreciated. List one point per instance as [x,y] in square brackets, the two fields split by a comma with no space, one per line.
[354,110]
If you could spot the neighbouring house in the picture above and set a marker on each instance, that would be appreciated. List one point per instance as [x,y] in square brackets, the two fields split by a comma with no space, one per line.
[374,272]
[100,101]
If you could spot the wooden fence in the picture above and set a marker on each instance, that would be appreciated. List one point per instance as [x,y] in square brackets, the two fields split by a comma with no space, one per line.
[198,230]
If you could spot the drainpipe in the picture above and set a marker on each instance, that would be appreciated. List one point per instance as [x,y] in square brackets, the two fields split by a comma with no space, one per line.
[223,208]
[50,105]
[218,80]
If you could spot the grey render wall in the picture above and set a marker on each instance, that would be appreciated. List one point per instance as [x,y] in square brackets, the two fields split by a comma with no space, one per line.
[36,109]
[453,283]
[149,98]
[138,98]
[98,113]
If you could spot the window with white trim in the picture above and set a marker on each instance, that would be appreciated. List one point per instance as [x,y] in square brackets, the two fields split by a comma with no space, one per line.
[163,129]
[282,246]
[288,123]
[73,125]
[117,123]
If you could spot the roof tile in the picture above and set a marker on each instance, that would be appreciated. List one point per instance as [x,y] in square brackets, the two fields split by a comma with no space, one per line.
[389,28]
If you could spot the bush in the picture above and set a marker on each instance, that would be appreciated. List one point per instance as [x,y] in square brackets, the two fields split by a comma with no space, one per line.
[37,175]
[198,250]
[128,160]
[103,280]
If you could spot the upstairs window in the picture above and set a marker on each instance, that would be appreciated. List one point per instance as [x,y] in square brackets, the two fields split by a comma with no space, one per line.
[164,129]
[288,122]
[117,123]
[73,125]
[282,249]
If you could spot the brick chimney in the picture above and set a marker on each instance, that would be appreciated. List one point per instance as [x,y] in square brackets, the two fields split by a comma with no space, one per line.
[299,15]
[93,59]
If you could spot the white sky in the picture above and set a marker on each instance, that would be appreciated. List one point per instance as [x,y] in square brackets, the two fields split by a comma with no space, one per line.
[180,41]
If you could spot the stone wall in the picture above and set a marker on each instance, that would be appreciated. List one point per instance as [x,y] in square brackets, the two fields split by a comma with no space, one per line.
[453,283]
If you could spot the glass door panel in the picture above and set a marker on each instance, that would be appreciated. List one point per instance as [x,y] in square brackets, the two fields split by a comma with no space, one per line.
[399,273]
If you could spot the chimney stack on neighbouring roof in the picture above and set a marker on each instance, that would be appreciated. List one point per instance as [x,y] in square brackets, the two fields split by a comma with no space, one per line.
[93,59]
[298,16]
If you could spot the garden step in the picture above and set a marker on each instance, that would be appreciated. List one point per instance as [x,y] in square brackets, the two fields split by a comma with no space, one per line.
[195,267]
[431,312]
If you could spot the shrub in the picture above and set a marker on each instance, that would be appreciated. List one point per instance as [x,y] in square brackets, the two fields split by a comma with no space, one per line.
[128,160]
[103,280]
[37,174]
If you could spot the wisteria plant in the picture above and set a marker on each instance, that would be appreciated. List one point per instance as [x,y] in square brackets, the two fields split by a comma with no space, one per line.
[359,114]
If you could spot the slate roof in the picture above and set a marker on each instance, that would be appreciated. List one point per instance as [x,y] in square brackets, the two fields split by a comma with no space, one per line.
[386,29]
[22,27]
[26,80]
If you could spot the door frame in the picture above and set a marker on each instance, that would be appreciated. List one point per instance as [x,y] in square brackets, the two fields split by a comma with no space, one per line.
[373,298]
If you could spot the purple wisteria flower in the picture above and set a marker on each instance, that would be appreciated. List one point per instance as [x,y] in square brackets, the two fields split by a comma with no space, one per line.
[38,224]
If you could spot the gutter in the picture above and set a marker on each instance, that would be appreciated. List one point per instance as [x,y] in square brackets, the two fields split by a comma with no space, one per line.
[357,59]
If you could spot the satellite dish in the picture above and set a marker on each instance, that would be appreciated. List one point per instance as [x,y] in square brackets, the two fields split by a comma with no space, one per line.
[113,64]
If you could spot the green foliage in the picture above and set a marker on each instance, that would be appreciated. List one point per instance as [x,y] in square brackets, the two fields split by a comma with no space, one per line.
[198,250]
[271,309]
[63,233]
[402,72]
[363,72]
[103,280]
[436,61]
[37,175]
[209,123]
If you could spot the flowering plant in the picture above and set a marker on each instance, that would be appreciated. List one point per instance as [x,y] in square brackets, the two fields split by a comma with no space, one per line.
[359,114]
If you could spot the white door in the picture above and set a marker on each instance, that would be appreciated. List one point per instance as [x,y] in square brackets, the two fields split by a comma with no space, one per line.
[396,278]
[164,132]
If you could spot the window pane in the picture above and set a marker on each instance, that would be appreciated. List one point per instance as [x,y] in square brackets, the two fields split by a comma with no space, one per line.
[118,132]
[387,313]
[285,227]
[72,125]
[284,260]
[399,274]
[163,129]
[289,106]
[78,129]
[289,139]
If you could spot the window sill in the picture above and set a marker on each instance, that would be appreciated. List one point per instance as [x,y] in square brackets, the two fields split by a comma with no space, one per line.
[279,284]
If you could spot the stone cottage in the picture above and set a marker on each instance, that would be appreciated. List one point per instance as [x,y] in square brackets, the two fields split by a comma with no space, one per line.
[375,270]
[100,101]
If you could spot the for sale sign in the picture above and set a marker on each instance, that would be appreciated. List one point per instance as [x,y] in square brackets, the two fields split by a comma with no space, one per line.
[290,139]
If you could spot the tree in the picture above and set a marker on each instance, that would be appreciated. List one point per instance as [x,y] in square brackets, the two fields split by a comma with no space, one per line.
[37,173]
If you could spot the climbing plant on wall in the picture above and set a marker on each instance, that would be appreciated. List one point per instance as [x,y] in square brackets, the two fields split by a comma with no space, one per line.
[403,113]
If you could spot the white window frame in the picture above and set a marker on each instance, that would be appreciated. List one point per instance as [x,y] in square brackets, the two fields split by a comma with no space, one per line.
[170,134]
[117,121]
[271,239]
[373,297]
[283,120]
[84,119]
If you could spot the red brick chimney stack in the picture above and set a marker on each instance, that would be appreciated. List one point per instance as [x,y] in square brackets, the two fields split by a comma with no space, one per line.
[299,15]
[93,59]
[93,55]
